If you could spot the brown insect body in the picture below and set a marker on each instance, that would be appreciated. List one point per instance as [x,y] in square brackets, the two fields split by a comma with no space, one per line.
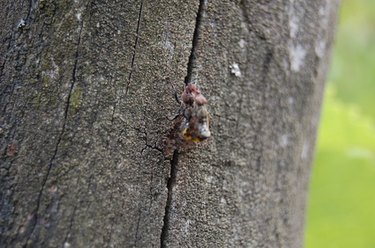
[196,122]
[193,95]
[193,124]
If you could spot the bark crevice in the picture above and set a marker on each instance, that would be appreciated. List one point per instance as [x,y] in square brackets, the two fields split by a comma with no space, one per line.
[174,161]
[135,46]
[61,134]
[168,206]
[137,228]
[117,100]
[193,54]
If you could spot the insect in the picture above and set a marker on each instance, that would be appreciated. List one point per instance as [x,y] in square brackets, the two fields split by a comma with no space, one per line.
[196,122]
[192,125]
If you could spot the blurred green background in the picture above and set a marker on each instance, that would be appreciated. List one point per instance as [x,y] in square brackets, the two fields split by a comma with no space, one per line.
[341,209]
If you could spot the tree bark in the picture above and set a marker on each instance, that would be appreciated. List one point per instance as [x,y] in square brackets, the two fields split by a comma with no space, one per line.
[86,101]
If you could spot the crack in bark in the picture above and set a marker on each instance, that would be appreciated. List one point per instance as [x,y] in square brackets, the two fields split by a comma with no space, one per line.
[132,60]
[137,228]
[168,206]
[267,61]
[147,144]
[2,66]
[193,54]
[66,111]
[135,47]
[174,161]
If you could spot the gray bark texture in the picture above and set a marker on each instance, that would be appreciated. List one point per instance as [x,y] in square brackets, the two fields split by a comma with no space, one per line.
[87,102]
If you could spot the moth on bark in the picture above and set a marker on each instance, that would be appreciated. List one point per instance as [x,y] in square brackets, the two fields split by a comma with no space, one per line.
[192,125]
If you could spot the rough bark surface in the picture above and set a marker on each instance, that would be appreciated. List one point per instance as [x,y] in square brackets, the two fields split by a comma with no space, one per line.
[86,102]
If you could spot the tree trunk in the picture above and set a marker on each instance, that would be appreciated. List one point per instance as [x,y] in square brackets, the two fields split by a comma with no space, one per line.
[87,102]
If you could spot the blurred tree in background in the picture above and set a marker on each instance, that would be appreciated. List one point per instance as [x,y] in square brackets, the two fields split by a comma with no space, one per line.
[342,199]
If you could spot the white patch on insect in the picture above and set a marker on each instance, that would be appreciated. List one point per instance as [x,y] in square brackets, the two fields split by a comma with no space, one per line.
[297,56]
[235,70]
[204,130]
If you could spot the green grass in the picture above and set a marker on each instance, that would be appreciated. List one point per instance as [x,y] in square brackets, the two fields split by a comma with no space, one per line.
[342,198]
[341,211]
[353,67]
